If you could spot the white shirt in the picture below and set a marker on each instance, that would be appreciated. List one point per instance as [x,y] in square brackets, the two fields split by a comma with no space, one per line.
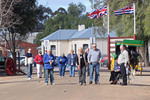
[123,57]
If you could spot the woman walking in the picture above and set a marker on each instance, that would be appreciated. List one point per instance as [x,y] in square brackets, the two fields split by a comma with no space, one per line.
[62,60]
[39,64]
[82,63]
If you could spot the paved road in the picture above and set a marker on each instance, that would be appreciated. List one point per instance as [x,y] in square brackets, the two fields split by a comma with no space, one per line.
[19,88]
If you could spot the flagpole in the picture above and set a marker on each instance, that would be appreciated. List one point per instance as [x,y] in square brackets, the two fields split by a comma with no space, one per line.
[108,38]
[134,22]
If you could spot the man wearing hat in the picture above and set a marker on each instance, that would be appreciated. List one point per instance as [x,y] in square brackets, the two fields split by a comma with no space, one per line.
[39,64]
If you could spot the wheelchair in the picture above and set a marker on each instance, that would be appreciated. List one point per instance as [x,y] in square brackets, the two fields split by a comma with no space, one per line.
[130,76]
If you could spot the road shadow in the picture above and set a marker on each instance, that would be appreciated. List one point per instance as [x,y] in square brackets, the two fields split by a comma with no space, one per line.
[143,75]
[142,85]
[27,81]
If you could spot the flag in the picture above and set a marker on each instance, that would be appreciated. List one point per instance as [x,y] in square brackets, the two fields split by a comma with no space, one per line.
[125,10]
[97,13]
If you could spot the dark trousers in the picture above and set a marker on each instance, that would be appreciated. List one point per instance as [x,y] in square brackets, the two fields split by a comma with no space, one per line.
[82,74]
[123,73]
[113,76]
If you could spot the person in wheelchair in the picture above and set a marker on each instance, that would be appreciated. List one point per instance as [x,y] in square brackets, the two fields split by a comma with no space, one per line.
[116,72]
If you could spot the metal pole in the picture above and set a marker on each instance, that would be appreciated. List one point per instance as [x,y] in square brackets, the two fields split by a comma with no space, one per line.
[108,39]
[134,22]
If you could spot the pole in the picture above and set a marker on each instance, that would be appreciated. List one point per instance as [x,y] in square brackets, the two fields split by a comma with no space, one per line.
[134,22]
[108,39]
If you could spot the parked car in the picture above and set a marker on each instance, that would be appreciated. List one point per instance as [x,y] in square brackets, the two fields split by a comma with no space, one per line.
[104,60]
[22,60]
[56,61]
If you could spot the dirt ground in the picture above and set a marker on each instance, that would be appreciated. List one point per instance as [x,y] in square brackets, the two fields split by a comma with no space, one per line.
[19,88]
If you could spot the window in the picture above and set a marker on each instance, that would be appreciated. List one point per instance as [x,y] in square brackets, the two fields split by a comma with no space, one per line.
[34,41]
[53,49]
[85,46]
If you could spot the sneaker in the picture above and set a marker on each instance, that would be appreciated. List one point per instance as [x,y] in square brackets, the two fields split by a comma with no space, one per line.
[46,83]
[112,82]
[80,83]
[90,82]
[29,78]
[97,83]
[52,83]
[84,84]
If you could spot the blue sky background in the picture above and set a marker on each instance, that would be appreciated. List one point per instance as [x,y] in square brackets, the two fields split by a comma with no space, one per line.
[55,4]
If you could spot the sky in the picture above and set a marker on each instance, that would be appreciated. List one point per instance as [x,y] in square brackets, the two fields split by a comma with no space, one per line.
[55,4]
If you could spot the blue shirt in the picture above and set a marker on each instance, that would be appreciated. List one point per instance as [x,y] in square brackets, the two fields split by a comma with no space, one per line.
[63,62]
[72,61]
[46,59]
[116,66]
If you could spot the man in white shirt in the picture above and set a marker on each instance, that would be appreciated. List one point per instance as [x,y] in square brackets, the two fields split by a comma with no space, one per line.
[122,61]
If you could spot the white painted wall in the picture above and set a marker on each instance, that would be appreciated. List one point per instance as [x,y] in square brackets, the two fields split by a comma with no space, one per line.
[64,46]
[102,45]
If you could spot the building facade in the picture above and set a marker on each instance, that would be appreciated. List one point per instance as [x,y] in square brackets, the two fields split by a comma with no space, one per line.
[64,40]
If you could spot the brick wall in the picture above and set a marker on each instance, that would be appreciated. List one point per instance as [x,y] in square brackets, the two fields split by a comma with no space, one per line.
[27,45]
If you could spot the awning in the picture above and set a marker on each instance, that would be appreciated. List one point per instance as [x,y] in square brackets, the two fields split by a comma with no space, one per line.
[137,43]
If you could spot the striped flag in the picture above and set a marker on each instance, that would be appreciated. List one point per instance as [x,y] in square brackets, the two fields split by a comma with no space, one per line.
[97,13]
[125,10]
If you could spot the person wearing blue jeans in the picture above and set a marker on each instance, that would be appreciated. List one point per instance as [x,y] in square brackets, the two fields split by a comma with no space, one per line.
[62,62]
[49,61]
[94,60]
[72,60]
[28,63]
[47,72]
[29,71]
[96,67]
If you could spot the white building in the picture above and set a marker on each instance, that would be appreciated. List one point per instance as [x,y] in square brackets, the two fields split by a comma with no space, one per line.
[64,40]
[31,38]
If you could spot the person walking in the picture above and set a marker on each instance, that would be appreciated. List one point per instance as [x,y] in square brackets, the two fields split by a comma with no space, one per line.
[72,59]
[28,63]
[123,61]
[39,64]
[88,66]
[82,63]
[94,60]
[49,61]
[62,62]
[44,69]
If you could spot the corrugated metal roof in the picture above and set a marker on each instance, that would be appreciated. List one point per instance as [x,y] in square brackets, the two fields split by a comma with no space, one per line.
[67,34]
[62,34]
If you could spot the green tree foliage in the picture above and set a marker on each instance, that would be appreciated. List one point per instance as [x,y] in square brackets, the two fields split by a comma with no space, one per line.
[43,14]
[63,19]
[26,11]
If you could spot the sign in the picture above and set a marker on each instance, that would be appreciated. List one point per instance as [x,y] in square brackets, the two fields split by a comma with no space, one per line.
[46,43]
[92,40]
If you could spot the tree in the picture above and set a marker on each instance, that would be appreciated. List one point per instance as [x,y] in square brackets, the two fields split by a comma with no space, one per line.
[69,19]
[76,10]
[43,14]
[17,19]
[123,24]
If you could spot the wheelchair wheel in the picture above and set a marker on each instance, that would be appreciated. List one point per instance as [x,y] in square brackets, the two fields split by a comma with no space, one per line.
[131,76]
